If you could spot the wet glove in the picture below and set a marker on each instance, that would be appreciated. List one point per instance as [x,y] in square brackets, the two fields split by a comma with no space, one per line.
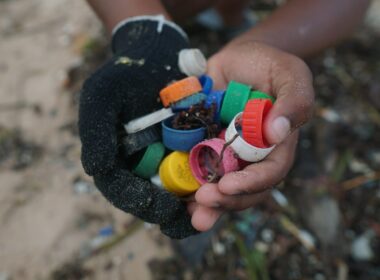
[146,51]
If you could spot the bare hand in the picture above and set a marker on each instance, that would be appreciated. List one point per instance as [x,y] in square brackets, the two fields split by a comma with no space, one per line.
[288,79]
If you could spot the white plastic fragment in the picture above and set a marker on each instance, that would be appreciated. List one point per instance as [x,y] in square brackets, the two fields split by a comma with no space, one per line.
[156,180]
[361,247]
[267,235]
[139,124]
[307,239]
[219,248]
[280,198]
[330,115]
[192,62]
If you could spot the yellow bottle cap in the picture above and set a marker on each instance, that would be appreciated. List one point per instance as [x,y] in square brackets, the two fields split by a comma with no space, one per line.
[176,176]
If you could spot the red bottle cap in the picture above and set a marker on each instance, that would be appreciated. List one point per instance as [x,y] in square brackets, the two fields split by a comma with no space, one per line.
[252,123]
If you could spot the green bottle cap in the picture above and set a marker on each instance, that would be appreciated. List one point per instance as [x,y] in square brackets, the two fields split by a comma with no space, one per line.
[149,163]
[236,97]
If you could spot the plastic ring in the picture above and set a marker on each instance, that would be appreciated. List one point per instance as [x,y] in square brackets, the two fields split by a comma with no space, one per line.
[207,84]
[176,176]
[189,101]
[236,97]
[148,165]
[204,160]
[135,142]
[252,122]
[179,90]
[181,140]
[148,120]
[261,95]
[243,149]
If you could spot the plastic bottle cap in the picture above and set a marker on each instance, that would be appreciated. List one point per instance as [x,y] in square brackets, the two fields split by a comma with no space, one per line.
[135,142]
[215,97]
[176,176]
[222,134]
[181,140]
[261,95]
[179,90]
[151,160]
[207,83]
[192,62]
[189,101]
[148,120]
[242,148]
[236,97]
[252,122]
[204,159]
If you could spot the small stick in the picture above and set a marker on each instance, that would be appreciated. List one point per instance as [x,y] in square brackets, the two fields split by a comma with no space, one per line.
[214,177]
[358,181]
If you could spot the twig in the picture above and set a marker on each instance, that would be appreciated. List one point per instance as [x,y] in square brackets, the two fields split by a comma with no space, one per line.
[215,175]
[297,233]
[360,180]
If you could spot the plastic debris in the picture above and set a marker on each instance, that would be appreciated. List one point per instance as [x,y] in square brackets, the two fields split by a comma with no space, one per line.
[106,231]
[83,187]
[361,247]
[280,198]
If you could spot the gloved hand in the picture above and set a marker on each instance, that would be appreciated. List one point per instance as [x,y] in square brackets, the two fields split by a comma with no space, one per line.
[146,51]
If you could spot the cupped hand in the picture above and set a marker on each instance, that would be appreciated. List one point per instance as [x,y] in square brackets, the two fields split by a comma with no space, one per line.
[285,77]
[125,88]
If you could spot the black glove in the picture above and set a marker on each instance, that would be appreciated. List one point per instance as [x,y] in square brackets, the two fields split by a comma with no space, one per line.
[145,60]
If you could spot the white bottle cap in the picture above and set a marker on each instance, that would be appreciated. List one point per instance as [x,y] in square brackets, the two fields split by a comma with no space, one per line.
[148,120]
[243,149]
[192,62]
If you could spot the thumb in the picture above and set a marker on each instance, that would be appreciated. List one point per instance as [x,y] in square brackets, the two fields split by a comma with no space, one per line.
[294,104]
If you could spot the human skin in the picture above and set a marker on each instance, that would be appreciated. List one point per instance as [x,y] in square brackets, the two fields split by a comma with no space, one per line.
[266,57]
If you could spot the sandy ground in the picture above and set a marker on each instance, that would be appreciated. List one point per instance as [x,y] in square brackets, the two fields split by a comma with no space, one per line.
[40,213]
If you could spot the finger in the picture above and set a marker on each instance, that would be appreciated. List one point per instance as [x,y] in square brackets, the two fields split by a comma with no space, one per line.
[263,175]
[209,196]
[204,217]
[293,87]
[214,71]
[98,116]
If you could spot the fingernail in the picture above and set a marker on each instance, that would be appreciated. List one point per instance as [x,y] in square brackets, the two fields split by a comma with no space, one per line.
[281,129]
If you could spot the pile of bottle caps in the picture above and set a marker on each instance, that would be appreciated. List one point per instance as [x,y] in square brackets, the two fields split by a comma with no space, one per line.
[200,134]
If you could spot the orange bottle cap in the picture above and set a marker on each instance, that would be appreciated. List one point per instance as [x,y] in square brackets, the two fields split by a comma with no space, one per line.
[180,90]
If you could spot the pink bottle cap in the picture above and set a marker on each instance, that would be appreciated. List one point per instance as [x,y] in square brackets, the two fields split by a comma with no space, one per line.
[205,156]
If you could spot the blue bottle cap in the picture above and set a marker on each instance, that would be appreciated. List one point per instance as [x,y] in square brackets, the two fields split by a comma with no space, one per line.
[181,140]
[207,83]
[215,97]
[187,102]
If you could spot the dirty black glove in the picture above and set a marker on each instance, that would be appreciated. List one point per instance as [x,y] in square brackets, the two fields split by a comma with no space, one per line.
[145,60]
